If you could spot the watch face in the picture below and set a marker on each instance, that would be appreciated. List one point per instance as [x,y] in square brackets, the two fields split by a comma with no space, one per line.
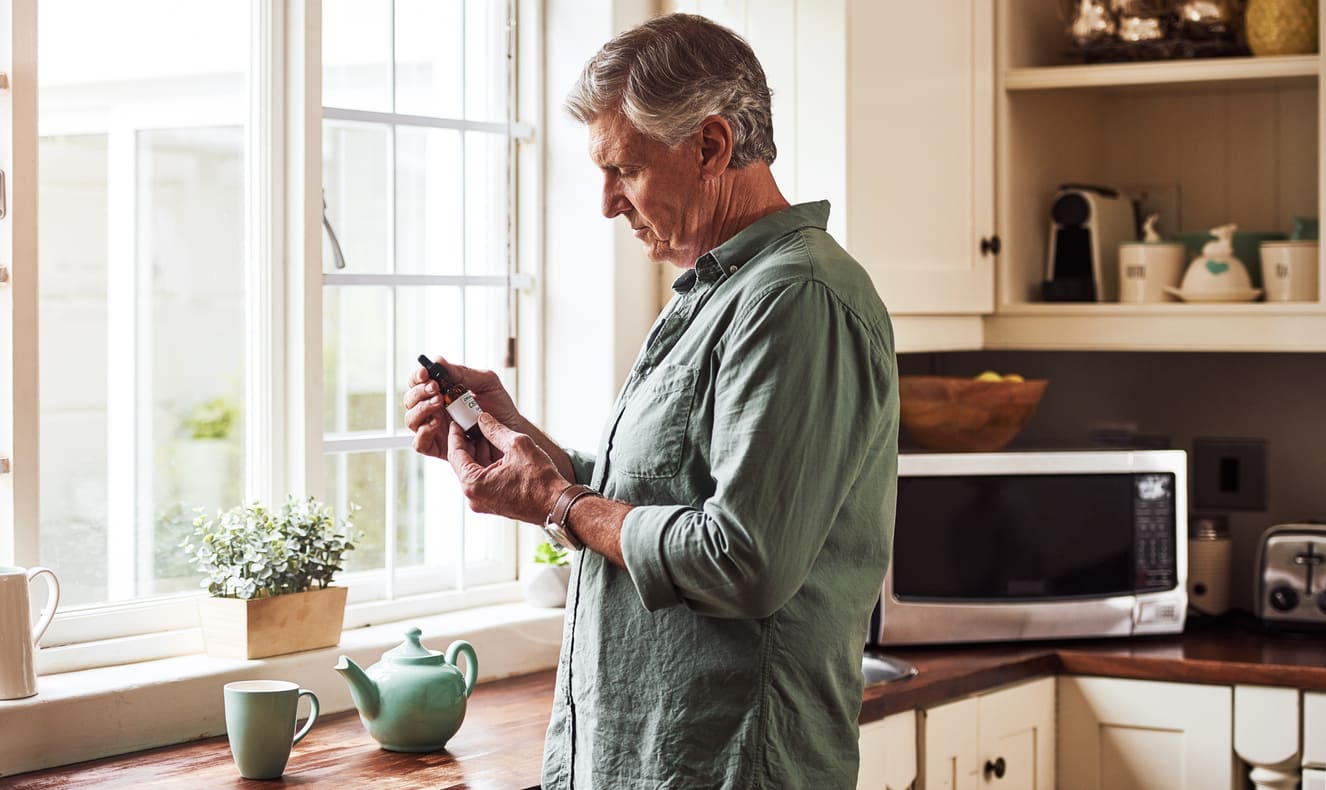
[559,536]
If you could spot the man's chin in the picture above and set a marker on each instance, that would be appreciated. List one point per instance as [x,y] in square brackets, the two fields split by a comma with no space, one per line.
[658,253]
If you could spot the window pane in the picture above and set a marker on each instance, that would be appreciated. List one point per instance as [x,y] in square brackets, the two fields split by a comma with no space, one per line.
[430,207]
[354,184]
[71,319]
[485,203]
[360,479]
[356,54]
[485,60]
[191,255]
[485,328]
[142,108]
[430,57]
[430,510]
[356,329]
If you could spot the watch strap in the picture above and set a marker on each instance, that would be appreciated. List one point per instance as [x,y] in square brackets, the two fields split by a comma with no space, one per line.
[562,508]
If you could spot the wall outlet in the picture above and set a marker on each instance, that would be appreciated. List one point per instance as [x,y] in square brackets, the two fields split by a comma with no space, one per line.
[1229,474]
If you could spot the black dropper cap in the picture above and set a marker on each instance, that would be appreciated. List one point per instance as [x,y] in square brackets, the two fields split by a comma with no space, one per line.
[435,371]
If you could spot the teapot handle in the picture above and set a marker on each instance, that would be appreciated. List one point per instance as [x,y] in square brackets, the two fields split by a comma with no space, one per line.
[471,663]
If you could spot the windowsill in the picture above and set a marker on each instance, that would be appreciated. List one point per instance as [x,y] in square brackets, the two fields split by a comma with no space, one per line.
[95,713]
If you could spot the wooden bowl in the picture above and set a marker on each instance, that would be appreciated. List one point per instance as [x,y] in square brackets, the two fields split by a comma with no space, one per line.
[956,414]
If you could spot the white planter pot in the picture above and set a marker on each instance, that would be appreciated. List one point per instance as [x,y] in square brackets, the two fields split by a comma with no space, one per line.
[545,585]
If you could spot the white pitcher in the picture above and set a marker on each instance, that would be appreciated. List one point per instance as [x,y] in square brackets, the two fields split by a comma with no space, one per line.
[18,678]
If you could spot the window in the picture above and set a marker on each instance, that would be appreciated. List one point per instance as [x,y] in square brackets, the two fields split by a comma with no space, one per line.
[159,386]
[418,144]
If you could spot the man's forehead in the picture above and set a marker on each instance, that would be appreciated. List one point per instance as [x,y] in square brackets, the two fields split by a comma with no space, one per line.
[612,138]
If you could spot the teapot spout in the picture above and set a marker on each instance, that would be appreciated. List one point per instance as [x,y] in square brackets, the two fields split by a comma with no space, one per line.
[362,688]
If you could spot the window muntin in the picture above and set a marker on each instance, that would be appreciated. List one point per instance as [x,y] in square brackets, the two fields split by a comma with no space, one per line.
[425,237]
[216,95]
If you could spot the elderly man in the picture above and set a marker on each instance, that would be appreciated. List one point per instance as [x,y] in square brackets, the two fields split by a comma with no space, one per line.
[736,520]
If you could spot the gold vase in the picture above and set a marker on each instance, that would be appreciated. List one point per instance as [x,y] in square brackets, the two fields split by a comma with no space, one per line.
[1282,27]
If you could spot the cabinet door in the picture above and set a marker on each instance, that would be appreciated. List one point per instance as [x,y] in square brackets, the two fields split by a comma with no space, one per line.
[1017,736]
[919,150]
[885,108]
[950,743]
[888,753]
[1144,735]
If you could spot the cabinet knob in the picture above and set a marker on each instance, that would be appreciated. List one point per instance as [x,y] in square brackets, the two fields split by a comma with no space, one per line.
[990,245]
[998,768]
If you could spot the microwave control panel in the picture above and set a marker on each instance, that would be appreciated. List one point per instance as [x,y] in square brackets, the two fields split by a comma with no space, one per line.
[1154,532]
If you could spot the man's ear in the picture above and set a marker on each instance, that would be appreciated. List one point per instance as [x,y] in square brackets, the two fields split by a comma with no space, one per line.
[715,146]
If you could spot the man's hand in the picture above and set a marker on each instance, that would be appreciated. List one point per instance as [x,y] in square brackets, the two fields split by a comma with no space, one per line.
[515,478]
[428,418]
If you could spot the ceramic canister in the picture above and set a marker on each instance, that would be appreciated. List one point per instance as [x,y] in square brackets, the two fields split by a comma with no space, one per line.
[18,677]
[1145,268]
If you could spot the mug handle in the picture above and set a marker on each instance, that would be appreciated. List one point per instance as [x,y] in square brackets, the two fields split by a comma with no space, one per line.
[312,714]
[52,600]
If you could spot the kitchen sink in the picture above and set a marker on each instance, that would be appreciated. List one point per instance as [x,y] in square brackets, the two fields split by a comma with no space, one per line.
[880,669]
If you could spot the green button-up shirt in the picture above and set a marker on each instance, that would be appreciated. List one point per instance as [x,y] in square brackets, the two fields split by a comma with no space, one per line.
[757,437]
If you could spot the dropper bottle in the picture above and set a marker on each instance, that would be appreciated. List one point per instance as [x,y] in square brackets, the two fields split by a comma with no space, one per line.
[459,402]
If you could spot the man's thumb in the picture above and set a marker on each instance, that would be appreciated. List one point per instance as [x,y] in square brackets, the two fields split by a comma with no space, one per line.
[497,434]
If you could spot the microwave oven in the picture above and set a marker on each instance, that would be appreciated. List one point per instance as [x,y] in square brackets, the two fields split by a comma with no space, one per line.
[1036,545]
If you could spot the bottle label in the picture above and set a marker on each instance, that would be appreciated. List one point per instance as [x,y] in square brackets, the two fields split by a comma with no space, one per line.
[465,411]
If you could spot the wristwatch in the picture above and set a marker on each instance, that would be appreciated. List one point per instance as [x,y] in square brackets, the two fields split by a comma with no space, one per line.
[555,527]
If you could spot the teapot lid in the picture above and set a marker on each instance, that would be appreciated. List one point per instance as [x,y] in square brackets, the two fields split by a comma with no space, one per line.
[411,651]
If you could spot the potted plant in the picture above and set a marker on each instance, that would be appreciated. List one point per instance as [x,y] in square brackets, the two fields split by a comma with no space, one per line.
[269,575]
[546,584]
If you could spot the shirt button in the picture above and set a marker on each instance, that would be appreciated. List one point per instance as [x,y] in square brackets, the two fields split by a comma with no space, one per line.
[731,270]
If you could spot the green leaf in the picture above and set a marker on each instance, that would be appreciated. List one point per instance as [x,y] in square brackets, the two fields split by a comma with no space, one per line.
[548,554]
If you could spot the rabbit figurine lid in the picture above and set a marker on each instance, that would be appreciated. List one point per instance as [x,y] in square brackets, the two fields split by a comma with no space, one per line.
[1216,274]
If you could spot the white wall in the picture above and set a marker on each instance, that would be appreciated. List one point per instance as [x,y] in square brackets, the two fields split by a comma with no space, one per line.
[600,293]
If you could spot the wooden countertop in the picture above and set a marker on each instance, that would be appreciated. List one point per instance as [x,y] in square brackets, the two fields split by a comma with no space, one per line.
[501,742]
[1224,651]
[499,746]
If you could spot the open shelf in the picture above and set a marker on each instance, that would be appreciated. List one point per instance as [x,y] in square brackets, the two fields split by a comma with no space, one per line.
[1256,326]
[1289,69]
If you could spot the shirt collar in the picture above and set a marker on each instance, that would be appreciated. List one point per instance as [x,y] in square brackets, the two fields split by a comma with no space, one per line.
[731,255]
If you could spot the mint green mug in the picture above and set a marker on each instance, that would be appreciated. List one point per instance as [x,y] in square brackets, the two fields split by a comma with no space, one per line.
[260,723]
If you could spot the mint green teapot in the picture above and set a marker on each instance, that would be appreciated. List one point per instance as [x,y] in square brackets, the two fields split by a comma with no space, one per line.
[413,700]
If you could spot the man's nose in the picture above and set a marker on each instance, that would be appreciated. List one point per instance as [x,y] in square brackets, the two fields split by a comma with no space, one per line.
[614,202]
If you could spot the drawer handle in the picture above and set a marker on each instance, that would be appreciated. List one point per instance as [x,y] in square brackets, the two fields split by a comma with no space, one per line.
[998,768]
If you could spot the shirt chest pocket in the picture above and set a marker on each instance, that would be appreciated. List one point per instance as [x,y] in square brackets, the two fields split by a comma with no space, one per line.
[651,433]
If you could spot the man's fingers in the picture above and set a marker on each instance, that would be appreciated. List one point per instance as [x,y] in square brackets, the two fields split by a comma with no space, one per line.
[458,453]
[497,434]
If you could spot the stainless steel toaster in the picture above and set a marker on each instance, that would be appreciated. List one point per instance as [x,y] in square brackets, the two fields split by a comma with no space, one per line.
[1291,575]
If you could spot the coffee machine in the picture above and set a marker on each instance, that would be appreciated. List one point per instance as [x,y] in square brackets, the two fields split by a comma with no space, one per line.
[1087,223]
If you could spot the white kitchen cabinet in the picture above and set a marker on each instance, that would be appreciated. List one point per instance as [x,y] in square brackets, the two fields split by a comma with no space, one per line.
[891,108]
[1002,739]
[1117,734]
[888,753]
[886,110]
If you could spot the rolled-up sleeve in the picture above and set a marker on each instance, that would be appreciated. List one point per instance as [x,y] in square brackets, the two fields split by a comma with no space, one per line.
[582,464]
[799,375]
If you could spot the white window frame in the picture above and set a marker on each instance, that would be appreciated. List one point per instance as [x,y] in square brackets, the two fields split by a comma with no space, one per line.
[383,592]
[285,443]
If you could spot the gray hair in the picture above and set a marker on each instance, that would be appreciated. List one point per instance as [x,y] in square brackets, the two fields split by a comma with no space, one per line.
[669,74]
